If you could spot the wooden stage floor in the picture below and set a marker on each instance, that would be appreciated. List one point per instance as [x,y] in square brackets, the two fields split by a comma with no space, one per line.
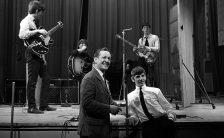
[200,121]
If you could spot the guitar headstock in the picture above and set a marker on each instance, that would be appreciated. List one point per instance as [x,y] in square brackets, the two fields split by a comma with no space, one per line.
[60,24]
[118,36]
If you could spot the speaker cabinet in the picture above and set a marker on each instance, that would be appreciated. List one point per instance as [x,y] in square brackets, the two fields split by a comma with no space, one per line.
[63,95]
[20,91]
[64,91]
[60,91]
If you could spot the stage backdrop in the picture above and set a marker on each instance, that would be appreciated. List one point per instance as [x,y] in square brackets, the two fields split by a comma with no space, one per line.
[106,18]
[109,17]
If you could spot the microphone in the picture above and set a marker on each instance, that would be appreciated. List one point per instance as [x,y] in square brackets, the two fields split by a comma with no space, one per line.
[127,29]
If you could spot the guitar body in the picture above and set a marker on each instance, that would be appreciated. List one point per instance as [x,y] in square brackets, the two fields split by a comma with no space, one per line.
[150,56]
[40,43]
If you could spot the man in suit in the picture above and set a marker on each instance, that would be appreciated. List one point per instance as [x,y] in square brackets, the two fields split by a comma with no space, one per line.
[96,101]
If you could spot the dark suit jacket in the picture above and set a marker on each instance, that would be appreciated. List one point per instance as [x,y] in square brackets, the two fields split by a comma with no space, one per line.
[94,115]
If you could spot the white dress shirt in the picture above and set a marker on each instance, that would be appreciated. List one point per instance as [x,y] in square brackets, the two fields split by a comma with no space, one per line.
[156,103]
[26,25]
[153,40]
[100,72]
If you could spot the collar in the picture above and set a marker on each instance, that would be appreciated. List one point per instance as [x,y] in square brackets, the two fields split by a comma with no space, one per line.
[99,71]
[138,88]
[147,36]
[30,16]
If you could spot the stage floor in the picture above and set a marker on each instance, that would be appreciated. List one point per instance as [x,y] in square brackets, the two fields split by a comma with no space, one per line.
[199,116]
[194,113]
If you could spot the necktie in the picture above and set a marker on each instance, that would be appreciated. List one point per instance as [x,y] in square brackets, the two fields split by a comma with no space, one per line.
[105,81]
[146,41]
[150,117]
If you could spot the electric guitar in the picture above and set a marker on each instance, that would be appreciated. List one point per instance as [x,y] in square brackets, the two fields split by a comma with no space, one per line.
[149,55]
[39,42]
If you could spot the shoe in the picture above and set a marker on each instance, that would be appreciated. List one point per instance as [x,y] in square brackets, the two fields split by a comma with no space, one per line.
[34,111]
[47,108]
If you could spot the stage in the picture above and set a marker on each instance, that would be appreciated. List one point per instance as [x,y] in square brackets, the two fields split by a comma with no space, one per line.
[201,121]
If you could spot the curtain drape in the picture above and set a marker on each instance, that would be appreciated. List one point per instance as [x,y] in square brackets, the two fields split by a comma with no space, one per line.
[65,39]
[109,17]
[106,18]
[216,51]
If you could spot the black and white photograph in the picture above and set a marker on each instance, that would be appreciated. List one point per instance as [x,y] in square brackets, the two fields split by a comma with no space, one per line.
[111,68]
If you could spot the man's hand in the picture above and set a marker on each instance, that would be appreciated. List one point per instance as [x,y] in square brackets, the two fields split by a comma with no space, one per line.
[132,121]
[114,109]
[42,31]
[135,49]
[172,116]
[80,50]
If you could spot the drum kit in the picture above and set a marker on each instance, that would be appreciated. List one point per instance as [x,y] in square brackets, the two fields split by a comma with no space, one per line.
[78,66]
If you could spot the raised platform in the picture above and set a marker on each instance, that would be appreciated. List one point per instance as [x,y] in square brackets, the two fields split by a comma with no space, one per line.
[201,121]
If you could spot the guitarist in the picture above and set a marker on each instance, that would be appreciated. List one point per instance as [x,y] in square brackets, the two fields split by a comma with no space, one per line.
[36,65]
[152,44]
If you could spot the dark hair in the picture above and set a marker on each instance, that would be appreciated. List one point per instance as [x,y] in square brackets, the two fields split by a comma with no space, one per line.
[35,5]
[137,71]
[97,53]
[146,24]
[83,41]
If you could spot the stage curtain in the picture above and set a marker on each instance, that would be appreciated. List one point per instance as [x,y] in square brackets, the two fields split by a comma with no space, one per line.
[65,39]
[109,17]
[217,56]
[106,18]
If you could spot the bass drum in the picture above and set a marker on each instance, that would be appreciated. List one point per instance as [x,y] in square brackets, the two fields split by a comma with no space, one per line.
[78,66]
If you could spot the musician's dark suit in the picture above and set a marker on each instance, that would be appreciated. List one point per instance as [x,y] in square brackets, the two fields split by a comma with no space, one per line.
[94,116]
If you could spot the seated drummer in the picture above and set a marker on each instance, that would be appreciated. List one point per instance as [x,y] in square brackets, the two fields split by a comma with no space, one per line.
[81,52]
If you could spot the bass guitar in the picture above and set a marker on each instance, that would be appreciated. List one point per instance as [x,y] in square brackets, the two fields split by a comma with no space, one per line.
[149,55]
[39,42]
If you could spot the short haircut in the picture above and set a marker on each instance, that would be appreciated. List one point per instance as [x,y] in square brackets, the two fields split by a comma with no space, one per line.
[35,5]
[137,71]
[146,24]
[83,41]
[97,53]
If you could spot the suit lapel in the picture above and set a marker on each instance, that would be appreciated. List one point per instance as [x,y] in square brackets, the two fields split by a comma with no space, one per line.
[101,79]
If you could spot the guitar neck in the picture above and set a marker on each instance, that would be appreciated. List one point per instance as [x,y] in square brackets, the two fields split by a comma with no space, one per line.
[126,41]
[50,32]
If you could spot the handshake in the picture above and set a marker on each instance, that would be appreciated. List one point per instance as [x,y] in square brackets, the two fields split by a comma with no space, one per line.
[114,109]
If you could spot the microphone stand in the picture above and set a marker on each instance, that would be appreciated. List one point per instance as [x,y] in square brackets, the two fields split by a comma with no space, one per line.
[203,90]
[124,86]
[12,110]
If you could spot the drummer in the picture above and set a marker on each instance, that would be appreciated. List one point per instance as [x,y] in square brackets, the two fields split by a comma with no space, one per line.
[81,53]
[81,48]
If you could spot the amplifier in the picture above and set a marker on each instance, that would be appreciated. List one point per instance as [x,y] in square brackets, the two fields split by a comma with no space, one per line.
[20,91]
[60,91]
[63,95]
[64,91]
